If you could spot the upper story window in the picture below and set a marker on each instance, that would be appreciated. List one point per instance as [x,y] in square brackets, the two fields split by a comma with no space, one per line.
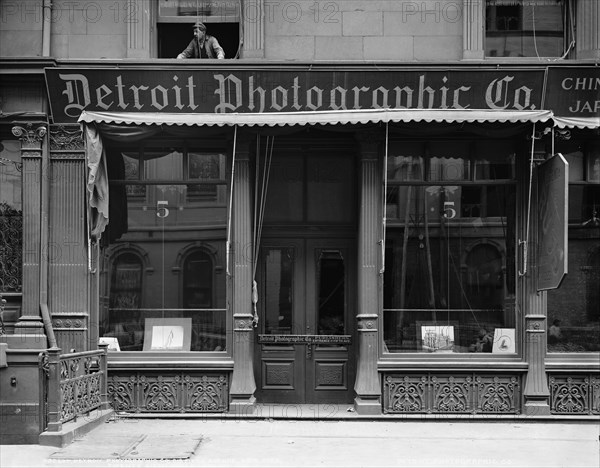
[176,18]
[531,28]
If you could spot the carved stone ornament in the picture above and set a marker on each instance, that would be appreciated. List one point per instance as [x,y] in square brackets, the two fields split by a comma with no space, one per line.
[243,324]
[63,139]
[30,135]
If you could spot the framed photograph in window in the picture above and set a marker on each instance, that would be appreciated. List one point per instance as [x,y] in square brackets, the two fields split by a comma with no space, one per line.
[436,337]
[504,341]
[167,334]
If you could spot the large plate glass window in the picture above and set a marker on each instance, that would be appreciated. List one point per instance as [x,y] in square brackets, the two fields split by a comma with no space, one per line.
[166,284]
[574,308]
[449,282]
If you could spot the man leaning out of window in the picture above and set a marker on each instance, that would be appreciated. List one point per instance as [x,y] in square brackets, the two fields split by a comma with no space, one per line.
[203,45]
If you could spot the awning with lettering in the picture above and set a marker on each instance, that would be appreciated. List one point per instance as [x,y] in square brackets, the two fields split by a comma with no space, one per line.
[334,117]
[576,122]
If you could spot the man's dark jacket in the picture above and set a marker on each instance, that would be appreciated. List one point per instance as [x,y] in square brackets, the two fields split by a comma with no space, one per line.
[211,47]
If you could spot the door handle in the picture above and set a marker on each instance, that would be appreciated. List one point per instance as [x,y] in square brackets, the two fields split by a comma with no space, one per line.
[309,351]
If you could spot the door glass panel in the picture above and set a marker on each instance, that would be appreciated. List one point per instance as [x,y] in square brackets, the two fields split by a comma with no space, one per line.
[331,277]
[285,195]
[279,277]
[330,178]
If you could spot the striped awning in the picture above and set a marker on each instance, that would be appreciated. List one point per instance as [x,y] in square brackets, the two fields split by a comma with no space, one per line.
[576,122]
[333,117]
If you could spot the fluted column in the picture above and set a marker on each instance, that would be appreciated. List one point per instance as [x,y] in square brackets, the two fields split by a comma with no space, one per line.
[254,29]
[29,330]
[69,282]
[243,384]
[473,29]
[588,30]
[536,393]
[367,387]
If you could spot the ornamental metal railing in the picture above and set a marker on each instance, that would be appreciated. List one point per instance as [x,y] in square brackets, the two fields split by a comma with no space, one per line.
[73,386]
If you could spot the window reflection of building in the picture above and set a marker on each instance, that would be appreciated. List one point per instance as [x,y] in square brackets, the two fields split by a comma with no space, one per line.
[576,304]
[208,325]
[172,198]
[447,240]
[125,300]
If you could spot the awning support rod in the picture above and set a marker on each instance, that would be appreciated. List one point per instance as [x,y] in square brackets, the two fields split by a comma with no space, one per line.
[384,202]
[259,213]
[228,243]
[526,241]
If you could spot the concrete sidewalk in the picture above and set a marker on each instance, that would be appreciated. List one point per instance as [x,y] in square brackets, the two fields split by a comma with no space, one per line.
[357,443]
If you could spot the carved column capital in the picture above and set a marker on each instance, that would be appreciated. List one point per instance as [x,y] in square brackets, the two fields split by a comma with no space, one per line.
[31,135]
[63,138]
[370,139]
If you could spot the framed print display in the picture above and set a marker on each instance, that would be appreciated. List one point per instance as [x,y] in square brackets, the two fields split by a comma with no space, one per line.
[111,341]
[504,341]
[436,338]
[167,334]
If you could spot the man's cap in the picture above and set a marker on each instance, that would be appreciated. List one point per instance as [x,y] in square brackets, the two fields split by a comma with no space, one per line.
[199,25]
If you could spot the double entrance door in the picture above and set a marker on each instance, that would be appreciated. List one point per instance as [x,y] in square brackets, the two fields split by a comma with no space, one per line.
[304,352]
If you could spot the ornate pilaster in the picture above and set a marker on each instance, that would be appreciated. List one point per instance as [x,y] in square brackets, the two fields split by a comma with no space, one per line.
[68,300]
[588,30]
[243,384]
[30,329]
[536,393]
[138,16]
[254,29]
[367,387]
[473,29]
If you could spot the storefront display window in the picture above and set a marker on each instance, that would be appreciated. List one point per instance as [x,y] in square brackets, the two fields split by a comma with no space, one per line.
[574,308]
[449,283]
[166,290]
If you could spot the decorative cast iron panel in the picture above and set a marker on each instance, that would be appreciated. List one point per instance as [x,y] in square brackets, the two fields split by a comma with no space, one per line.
[405,394]
[497,396]
[574,394]
[204,394]
[185,392]
[159,393]
[452,394]
[11,248]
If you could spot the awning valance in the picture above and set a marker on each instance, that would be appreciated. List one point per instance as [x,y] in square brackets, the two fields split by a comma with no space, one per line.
[335,117]
[577,122]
